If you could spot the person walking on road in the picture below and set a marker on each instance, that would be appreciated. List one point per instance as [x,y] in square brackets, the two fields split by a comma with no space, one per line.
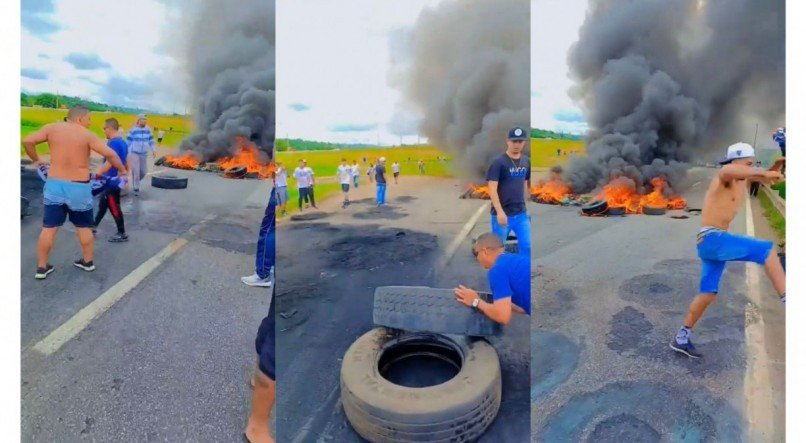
[110,196]
[421,166]
[396,170]
[356,174]
[345,174]
[371,172]
[281,186]
[67,191]
[141,141]
[264,259]
[380,181]
[716,246]
[160,136]
[508,180]
[509,276]
[303,183]
[311,182]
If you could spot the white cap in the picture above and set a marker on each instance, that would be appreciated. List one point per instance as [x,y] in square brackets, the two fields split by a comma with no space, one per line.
[738,150]
[141,117]
[382,159]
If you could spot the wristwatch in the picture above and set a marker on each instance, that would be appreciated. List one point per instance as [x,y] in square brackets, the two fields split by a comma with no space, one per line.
[475,303]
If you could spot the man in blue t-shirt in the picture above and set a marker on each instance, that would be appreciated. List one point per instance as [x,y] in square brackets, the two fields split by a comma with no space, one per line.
[508,182]
[110,195]
[510,281]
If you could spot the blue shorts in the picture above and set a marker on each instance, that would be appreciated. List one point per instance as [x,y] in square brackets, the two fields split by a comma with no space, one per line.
[64,198]
[281,193]
[716,247]
[264,343]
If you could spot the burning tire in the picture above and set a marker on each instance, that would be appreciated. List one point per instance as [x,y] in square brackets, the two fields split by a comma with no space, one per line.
[413,308]
[653,210]
[596,207]
[616,211]
[160,161]
[235,172]
[384,403]
[167,181]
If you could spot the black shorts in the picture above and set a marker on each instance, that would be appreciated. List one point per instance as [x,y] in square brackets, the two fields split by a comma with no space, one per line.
[396,174]
[345,187]
[159,140]
[264,343]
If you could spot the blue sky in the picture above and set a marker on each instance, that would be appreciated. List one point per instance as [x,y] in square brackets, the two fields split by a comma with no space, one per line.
[106,51]
[555,27]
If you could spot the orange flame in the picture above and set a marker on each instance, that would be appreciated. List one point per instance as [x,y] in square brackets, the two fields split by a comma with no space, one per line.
[621,193]
[552,191]
[188,160]
[479,191]
[248,157]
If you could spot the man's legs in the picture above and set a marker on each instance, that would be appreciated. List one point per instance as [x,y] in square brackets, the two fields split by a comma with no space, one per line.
[302,196]
[697,308]
[775,272]
[383,193]
[134,163]
[520,224]
[500,231]
[46,240]
[117,213]
[143,159]
[86,240]
[257,428]
[103,205]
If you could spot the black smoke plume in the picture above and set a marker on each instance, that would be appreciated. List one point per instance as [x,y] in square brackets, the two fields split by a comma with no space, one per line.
[230,59]
[664,82]
[464,67]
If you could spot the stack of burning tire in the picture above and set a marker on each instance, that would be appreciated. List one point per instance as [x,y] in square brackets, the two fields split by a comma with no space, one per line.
[425,375]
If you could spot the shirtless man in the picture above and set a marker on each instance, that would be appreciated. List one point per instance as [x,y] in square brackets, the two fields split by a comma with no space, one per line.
[716,246]
[67,189]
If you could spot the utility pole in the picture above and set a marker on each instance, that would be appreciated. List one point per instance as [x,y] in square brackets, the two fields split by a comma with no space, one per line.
[755,137]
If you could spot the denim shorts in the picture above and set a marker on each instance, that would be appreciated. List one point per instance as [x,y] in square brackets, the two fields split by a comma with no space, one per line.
[64,198]
[717,247]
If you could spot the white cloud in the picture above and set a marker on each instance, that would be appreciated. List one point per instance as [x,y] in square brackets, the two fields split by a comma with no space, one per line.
[555,27]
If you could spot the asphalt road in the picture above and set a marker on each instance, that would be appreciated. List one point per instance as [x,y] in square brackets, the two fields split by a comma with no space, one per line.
[329,268]
[170,360]
[611,294]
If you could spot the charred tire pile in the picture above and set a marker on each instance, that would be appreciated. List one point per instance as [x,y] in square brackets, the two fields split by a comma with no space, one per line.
[412,308]
[653,210]
[235,172]
[596,207]
[167,181]
[457,410]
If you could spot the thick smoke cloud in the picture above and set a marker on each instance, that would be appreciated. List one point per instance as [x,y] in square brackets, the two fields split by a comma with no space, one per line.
[464,67]
[664,82]
[230,59]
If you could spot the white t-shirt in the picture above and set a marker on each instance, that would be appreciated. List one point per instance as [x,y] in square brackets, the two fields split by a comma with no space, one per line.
[160,134]
[395,167]
[281,178]
[356,170]
[303,177]
[345,174]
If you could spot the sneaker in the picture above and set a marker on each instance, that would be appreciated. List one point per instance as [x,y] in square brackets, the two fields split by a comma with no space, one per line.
[41,273]
[119,238]
[88,266]
[255,280]
[686,348]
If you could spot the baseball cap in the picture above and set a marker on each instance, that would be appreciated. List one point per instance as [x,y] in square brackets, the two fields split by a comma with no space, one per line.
[736,151]
[142,117]
[517,133]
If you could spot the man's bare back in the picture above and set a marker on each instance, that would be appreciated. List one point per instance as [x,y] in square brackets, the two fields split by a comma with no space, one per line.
[70,145]
[722,201]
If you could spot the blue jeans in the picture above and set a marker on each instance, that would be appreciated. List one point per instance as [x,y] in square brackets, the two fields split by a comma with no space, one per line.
[520,225]
[381,193]
[265,240]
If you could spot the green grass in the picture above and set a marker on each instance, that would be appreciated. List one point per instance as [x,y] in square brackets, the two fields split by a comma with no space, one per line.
[777,221]
[32,119]
[781,188]
[324,163]
[544,151]
[321,192]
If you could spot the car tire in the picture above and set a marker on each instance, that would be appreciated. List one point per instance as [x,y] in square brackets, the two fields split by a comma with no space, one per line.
[167,181]
[653,210]
[458,410]
[616,211]
[419,308]
[596,207]
[235,172]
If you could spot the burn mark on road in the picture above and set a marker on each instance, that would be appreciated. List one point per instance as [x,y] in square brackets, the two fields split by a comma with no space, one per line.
[228,236]
[554,359]
[643,411]
[627,326]
[380,213]
[660,291]
[559,303]
[375,248]
[406,198]
[308,216]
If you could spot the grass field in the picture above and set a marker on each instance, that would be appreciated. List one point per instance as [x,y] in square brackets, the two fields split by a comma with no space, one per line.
[544,151]
[777,221]
[324,163]
[34,118]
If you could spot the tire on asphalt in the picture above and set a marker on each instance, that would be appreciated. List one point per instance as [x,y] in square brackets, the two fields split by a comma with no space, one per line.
[168,181]
[457,410]
[160,161]
[653,210]
[423,309]
[235,172]
[616,211]
[596,207]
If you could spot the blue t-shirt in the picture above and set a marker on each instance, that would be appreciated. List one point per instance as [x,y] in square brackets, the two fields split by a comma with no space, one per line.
[511,176]
[380,174]
[122,149]
[510,276]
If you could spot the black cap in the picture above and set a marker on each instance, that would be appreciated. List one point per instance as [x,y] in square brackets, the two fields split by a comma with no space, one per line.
[517,133]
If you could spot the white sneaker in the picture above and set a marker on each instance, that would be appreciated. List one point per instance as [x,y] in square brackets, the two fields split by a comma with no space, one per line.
[255,280]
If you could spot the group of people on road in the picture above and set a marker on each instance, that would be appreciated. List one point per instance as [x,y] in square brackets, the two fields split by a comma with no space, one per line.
[509,274]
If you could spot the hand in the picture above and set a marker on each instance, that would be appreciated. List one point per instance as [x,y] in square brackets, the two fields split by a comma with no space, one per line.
[501,218]
[774,176]
[465,295]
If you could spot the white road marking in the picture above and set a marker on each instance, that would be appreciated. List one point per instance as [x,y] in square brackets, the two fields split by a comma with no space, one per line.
[78,322]
[460,237]
[757,382]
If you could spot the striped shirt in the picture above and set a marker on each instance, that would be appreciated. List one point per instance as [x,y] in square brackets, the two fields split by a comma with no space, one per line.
[140,140]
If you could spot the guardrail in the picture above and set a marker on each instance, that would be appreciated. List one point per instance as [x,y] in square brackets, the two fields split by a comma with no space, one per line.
[777,201]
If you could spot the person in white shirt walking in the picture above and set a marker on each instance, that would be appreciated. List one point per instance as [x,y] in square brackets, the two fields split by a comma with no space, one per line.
[311,183]
[356,173]
[302,183]
[371,172]
[160,136]
[396,170]
[141,140]
[345,174]
[281,185]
